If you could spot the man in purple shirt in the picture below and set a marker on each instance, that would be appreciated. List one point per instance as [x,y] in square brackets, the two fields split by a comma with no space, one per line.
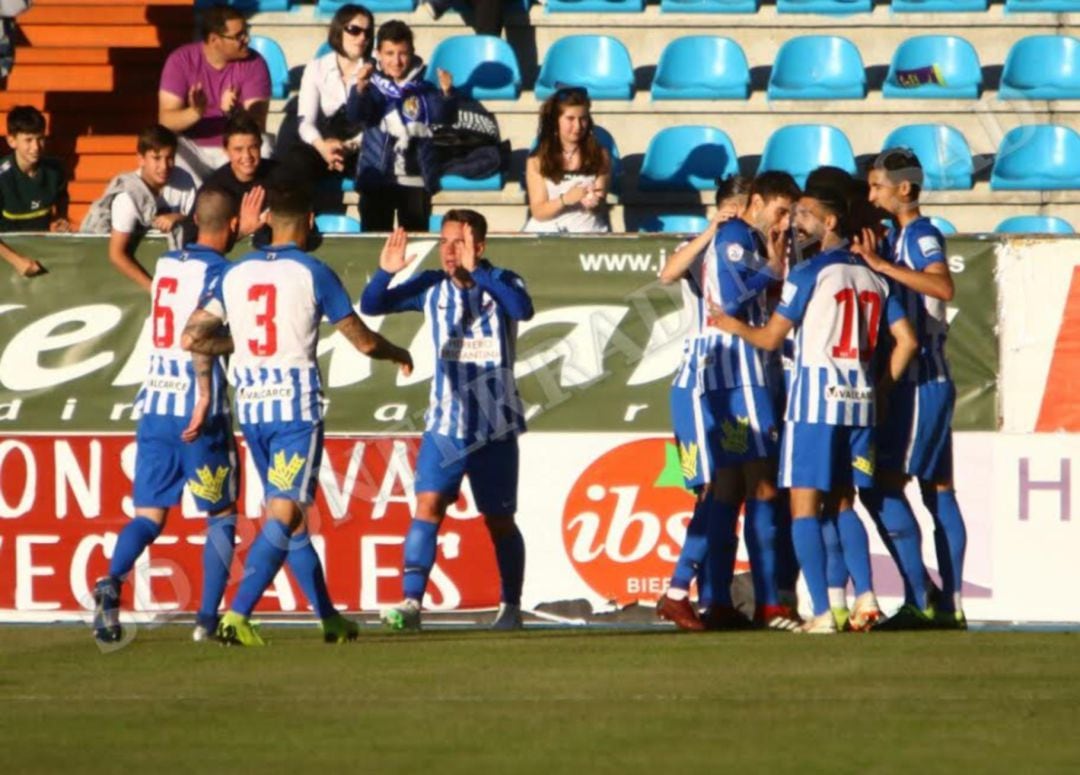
[203,83]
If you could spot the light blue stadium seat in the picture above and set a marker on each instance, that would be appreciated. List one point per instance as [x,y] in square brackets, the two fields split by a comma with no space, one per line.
[674,223]
[943,152]
[687,158]
[1035,224]
[328,7]
[323,49]
[269,50]
[939,6]
[942,225]
[599,63]
[434,223]
[818,67]
[594,6]
[248,6]
[799,148]
[1042,67]
[458,183]
[955,60]
[1037,157]
[484,67]
[1042,6]
[337,224]
[830,7]
[701,67]
[709,6]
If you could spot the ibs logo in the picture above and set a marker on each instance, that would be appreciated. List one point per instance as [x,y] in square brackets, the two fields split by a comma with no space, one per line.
[625,520]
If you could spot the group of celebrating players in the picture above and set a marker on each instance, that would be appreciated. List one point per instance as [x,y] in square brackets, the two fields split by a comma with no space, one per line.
[862,400]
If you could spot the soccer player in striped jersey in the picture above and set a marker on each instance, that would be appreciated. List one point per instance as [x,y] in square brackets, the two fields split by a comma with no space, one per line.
[722,407]
[916,439]
[473,309]
[273,300]
[835,304]
[170,454]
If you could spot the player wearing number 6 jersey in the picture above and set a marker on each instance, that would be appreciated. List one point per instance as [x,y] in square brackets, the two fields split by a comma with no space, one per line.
[836,305]
[170,454]
[274,300]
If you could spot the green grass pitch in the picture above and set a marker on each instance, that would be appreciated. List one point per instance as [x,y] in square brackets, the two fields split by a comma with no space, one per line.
[541,701]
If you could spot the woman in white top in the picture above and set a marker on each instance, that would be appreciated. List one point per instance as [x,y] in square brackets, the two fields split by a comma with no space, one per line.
[568,173]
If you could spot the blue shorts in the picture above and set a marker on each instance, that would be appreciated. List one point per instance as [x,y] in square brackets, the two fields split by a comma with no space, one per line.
[916,436]
[721,428]
[492,469]
[287,456]
[164,464]
[826,457]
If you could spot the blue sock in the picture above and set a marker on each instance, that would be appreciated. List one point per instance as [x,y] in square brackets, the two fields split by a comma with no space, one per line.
[760,532]
[855,545]
[137,534]
[872,499]
[510,557]
[787,566]
[718,566]
[836,572]
[307,569]
[420,544]
[950,541]
[694,547]
[810,549]
[264,560]
[217,559]
[899,521]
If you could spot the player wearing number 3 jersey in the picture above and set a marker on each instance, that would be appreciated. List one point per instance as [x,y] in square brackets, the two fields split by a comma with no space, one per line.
[274,300]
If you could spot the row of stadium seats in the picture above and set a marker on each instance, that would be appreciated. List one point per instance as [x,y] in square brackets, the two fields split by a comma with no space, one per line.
[697,67]
[831,7]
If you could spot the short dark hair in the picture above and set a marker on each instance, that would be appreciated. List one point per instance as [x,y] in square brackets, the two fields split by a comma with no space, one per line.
[214,208]
[156,138]
[834,201]
[241,123]
[289,199]
[769,185]
[396,31]
[831,177]
[470,218]
[215,20]
[25,120]
[900,164]
[342,16]
[732,186]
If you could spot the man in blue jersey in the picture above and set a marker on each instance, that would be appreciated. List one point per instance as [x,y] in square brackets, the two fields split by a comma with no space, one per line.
[273,300]
[475,414]
[835,305]
[723,407]
[169,454]
[916,439]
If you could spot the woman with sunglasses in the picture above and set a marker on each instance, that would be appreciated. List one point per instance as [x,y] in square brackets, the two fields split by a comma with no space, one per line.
[568,173]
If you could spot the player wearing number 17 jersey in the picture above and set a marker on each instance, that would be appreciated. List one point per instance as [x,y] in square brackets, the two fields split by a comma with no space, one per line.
[274,300]
[837,307]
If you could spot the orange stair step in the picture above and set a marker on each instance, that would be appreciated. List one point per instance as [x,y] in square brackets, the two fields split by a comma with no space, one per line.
[112,3]
[105,36]
[76,212]
[103,167]
[62,78]
[94,144]
[28,55]
[9,99]
[86,191]
[85,14]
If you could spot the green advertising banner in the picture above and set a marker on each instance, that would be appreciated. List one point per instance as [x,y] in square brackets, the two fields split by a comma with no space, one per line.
[598,356]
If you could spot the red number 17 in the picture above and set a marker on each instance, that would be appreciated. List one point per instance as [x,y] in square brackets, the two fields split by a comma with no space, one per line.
[868,308]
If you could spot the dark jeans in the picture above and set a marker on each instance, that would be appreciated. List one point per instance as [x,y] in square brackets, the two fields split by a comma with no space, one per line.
[411,203]
[487,14]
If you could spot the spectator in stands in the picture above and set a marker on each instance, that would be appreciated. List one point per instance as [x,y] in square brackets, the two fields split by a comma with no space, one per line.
[247,174]
[398,170]
[568,174]
[202,84]
[33,188]
[158,196]
[487,15]
[330,142]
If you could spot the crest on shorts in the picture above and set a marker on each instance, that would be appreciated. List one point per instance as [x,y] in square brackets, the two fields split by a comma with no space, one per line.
[210,485]
[283,473]
[735,436]
[688,459]
[864,464]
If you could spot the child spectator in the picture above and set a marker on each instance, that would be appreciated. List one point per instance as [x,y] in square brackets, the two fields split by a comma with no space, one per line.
[246,174]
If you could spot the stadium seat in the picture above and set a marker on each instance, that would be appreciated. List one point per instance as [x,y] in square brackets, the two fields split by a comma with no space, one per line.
[709,6]
[1042,67]
[953,60]
[248,6]
[939,6]
[484,67]
[799,148]
[323,49]
[1034,224]
[434,223]
[337,224]
[702,67]
[459,183]
[269,50]
[943,152]
[818,67]
[1042,6]
[831,7]
[598,63]
[687,158]
[942,225]
[328,7]
[674,223]
[1037,157]
[594,6]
